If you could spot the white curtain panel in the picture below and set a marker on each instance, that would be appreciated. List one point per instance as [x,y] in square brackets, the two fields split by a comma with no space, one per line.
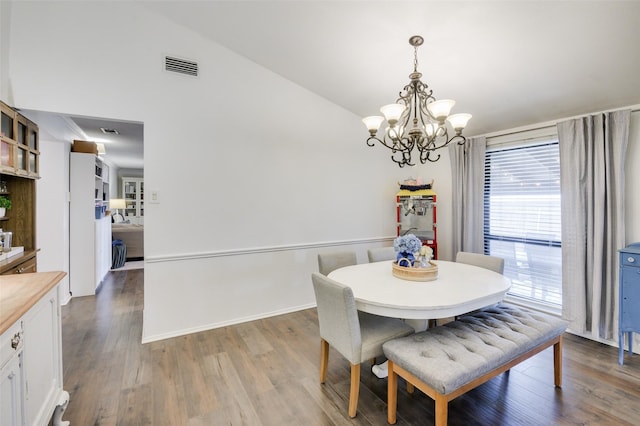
[592,150]
[467,170]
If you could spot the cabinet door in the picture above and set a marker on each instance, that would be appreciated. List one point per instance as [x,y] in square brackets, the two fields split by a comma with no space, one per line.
[102,248]
[630,297]
[11,392]
[42,359]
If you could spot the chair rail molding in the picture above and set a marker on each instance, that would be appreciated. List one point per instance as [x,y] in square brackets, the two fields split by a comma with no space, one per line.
[265,249]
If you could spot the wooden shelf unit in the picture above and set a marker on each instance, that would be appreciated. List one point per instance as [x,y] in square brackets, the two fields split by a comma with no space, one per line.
[19,169]
[19,142]
[133,194]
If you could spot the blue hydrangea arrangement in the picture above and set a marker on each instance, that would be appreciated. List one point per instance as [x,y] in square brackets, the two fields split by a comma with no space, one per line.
[407,244]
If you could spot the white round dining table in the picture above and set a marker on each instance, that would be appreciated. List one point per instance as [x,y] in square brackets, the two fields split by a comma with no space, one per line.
[458,289]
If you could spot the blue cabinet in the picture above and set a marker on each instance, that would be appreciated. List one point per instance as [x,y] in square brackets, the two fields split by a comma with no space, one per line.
[629,308]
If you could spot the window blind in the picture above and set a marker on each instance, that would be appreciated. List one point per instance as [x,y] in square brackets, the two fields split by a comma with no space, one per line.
[522,217]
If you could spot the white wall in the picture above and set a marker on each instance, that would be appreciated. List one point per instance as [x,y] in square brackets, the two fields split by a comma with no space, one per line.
[52,211]
[251,188]
[632,212]
[5,32]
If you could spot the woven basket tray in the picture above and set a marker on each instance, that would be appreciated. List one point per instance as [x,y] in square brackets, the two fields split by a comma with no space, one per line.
[415,274]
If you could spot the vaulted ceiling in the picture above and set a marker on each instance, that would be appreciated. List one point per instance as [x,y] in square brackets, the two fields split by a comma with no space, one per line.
[509,63]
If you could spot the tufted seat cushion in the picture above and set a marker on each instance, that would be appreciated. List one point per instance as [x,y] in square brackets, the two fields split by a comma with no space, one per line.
[449,356]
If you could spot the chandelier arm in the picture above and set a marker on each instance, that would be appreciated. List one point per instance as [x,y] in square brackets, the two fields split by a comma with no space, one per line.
[369,143]
[401,154]
[430,159]
[426,97]
[398,146]
[405,98]
[461,139]
[404,161]
[426,150]
[393,147]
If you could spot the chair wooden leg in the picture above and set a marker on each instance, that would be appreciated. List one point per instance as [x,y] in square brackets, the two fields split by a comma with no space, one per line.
[392,395]
[324,359]
[355,389]
[557,363]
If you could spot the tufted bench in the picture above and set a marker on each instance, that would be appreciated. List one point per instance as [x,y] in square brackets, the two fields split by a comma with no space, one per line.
[447,361]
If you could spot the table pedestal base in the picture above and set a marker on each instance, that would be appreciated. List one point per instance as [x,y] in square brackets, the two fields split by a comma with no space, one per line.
[418,324]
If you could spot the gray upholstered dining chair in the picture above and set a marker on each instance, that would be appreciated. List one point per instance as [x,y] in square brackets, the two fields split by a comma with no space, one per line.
[381,253]
[492,263]
[358,336]
[331,261]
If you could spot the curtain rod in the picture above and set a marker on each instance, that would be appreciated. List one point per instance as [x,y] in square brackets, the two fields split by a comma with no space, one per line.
[549,124]
[515,132]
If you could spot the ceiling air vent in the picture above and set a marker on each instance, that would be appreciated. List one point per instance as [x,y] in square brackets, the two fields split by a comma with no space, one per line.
[181,66]
[108,131]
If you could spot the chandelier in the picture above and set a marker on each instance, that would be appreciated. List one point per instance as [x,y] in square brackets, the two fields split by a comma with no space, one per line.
[416,120]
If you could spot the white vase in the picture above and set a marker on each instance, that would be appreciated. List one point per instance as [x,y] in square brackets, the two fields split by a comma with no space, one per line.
[2,211]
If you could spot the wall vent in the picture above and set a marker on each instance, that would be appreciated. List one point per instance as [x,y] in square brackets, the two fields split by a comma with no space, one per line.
[180,66]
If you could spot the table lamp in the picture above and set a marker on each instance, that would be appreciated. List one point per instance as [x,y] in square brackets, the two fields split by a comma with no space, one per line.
[117,204]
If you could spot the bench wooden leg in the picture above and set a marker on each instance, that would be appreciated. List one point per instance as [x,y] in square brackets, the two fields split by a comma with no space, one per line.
[442,410]
[557,363]
[355,390]
[392,395]
[410,387]
[324,359]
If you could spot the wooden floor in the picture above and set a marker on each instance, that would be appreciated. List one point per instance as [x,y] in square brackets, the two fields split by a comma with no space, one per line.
[266,373]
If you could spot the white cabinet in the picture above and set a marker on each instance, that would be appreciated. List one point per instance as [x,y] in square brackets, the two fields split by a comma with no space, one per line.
[11,392]
[42,359]
[31,350]
[11,376]
[102,248]
[89,229]
[133,194]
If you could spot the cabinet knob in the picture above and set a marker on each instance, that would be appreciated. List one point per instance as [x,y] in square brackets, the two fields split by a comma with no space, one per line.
[631,259]
[15,340]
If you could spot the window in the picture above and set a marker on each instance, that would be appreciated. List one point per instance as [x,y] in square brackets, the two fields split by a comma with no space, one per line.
[522,217]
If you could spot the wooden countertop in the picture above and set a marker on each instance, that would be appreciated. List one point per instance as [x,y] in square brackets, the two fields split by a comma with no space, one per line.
[18,293]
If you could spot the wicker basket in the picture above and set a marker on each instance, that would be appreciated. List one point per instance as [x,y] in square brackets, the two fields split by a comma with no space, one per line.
[415,274]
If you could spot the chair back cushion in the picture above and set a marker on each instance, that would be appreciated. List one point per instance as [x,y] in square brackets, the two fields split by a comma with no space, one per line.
[381,253]
[492,263]
[328,262]
[338,317]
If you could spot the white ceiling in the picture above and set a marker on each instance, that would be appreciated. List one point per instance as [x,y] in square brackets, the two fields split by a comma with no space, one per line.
[509,63]
[124,150]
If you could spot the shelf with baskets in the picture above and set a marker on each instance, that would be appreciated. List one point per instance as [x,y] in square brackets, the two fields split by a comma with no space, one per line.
[89,226]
